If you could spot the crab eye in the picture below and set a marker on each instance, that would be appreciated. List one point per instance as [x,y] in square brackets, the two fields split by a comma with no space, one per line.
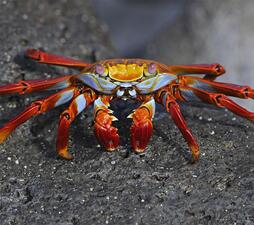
[152,68]
[100,69]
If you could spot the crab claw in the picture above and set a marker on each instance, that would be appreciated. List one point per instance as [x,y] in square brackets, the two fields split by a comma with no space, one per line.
[142,127]
[141,133]
[106,134]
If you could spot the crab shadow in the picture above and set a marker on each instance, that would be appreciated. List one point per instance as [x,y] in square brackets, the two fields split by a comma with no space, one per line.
[44,130]
[28,65]
[81,136]
[189,111]
[218,115]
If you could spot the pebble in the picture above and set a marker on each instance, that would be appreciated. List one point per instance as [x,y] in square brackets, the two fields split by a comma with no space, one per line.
[212,132]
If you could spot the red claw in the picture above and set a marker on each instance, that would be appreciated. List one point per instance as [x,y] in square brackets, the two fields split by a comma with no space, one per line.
[106,134]
[140,135]
[142,127]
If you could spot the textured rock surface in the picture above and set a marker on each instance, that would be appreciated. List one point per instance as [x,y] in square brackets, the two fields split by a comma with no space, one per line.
[160,187]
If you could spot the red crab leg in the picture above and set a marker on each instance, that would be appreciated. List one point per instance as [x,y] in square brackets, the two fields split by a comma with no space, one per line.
[218,87]
[211,70]
[106,133]
[174,109]
[23,87]
[43,57]
[142,127]
[36,108]
[220,100]
[81,102]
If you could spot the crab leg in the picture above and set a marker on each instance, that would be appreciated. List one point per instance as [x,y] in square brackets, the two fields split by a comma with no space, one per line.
[218,87]
[81,102]
[37,108]
[174,109]
[220,100]
[23,87]
[212,71]
[43,57]
[106,133]
[142,127]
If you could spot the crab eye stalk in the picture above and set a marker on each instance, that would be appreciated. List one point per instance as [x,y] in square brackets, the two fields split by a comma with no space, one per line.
[151,69]
[100,70]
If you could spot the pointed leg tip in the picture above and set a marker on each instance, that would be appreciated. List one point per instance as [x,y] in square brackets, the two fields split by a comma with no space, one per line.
[195,154]
[111,149]
[4,134]
[32,54]
[64,153]
[112,144]
[139,150]
[193,159]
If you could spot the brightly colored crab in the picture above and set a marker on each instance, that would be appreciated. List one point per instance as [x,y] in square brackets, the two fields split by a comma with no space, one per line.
[144,80]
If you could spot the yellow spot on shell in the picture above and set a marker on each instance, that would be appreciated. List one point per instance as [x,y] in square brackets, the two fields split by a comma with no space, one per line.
[126,73]
[148,82]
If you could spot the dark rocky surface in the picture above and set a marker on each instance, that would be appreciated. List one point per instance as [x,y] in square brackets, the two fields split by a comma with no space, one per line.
[97,187]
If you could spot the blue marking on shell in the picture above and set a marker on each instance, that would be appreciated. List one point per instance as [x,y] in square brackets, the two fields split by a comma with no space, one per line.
[125,85]
[65,97]
[106,85]
[162,81]
[146,84]
[97,83]
[81,103]
[155,83]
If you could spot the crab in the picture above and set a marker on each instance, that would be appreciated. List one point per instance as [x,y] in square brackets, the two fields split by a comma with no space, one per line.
[146,81]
